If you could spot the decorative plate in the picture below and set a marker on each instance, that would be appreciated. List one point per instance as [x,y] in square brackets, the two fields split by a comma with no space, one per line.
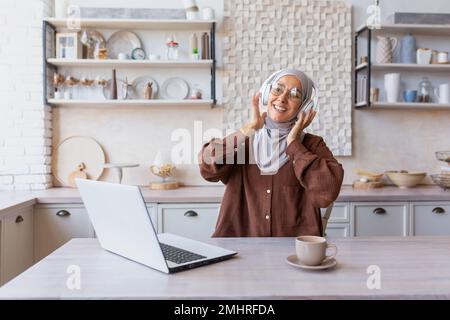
[139,85]
[122,42]
[175,89]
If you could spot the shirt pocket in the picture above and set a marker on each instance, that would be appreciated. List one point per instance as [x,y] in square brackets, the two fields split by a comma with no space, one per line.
[290,213]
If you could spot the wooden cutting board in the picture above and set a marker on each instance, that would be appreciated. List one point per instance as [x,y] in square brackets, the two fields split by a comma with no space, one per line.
[164,185]
[367,185]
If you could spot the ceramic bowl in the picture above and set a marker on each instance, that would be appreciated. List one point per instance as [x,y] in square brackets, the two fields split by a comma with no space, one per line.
[442,180]
[443,156]
[405,179]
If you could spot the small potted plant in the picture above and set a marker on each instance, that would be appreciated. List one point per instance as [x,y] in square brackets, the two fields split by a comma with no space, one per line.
[194,54]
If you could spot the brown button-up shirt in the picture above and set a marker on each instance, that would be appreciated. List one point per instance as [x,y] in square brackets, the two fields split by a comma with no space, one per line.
[285,204]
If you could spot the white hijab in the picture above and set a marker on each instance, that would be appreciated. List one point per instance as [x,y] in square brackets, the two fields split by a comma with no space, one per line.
[270,142]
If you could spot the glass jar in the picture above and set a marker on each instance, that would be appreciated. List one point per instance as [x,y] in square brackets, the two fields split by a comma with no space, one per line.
[172,52]
[424,90]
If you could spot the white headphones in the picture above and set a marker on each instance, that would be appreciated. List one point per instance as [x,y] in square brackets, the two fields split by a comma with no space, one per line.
[265,92]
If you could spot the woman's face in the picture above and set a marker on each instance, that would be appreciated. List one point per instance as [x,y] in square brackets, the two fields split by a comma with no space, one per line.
[283,104]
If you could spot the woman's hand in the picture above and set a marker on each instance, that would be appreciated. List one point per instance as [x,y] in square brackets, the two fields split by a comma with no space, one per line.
[304,120]
[257,121]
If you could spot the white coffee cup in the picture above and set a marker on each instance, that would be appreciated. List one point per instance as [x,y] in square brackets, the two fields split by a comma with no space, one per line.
[311,250]
[122,56]
[392,86]
[442,57]
[443,93]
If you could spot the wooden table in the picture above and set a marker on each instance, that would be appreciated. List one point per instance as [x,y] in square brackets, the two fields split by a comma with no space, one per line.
[411,268]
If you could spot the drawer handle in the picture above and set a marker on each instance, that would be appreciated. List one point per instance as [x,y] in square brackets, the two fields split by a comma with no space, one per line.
[63,213]
[190,213]
[438,210]
[379,211]
[19,219]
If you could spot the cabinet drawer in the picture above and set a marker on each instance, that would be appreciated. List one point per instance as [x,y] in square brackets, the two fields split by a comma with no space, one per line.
[430,218]
[17,243]
[151,208]
[55,225]
[195,221]
[337,230]
[380,219]
[339,213]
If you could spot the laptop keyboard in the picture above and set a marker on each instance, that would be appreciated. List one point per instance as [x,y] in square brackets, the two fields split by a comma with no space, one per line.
[178,255]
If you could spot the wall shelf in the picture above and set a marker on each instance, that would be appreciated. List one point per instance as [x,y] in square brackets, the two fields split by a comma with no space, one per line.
[52,25]
[419,29]
[129,63]
[405,105]
[128,103]
[369,67]
[145,24]
[411,67]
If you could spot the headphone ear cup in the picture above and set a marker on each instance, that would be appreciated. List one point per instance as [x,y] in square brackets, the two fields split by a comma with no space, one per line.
[265,88]
[265,95]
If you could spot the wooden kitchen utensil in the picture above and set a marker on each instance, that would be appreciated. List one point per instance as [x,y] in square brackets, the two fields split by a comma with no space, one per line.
[79,173]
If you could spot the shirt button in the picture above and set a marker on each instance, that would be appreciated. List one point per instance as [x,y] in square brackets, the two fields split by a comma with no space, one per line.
[267,217]
[235,149]
[268,190]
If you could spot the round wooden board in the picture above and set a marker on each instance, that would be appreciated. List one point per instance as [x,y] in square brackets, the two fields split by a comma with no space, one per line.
[367,185]
[164,185]
[74,150]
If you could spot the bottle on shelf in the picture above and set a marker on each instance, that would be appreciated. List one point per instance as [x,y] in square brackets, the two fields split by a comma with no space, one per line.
[172,48]
[205,46]
[424,90]
[113,88]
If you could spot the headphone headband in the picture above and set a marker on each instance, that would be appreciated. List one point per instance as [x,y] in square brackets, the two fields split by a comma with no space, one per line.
[265,92]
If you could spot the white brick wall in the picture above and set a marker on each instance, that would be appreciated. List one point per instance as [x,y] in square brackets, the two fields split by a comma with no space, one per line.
[25,123]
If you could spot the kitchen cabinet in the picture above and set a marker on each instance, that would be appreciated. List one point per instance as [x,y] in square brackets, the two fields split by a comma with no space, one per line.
[380,219]
[192,220]
[337,230]
[57,224]
[17,253]
[430,218]
[339,221]
[340,212]
[153,213]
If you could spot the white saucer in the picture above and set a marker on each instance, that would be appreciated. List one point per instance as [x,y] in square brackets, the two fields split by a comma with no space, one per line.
[326,264]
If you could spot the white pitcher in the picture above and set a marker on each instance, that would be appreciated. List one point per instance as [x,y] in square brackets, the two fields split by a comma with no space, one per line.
[443,93]
[392,86]
[385,49]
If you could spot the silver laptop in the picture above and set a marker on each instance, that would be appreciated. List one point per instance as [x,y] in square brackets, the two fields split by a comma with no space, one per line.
[124,227]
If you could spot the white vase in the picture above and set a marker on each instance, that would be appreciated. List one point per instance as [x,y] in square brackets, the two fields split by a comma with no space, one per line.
[392,87]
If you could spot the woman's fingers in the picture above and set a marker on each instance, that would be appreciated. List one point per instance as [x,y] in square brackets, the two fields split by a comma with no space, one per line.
[264,115]
[310,117]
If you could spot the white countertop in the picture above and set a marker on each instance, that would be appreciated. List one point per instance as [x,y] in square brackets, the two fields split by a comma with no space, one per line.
[214,194]
[411,268]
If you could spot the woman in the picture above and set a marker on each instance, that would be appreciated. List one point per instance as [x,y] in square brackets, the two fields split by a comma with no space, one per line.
[285,177]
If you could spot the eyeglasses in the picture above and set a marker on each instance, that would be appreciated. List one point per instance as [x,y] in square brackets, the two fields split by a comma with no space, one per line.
[278,89]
